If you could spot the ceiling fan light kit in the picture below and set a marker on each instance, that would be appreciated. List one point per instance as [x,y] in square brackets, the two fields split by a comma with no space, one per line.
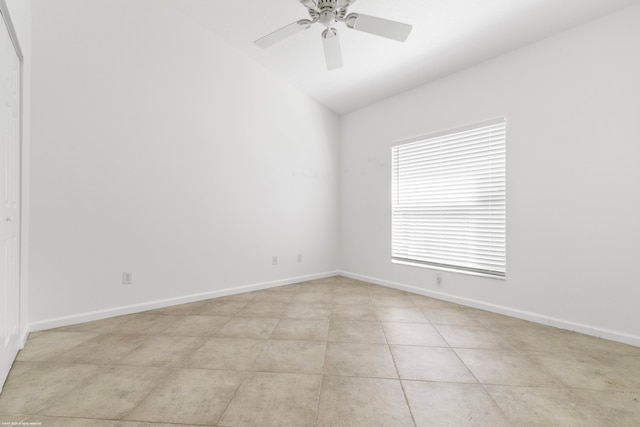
[330,12]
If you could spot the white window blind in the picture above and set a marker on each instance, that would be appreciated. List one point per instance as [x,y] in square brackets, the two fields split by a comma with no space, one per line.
[449,200]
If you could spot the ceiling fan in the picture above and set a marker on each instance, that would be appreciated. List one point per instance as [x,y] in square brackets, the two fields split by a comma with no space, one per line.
[328,13]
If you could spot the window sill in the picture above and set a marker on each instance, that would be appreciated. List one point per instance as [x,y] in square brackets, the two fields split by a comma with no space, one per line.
[448,269]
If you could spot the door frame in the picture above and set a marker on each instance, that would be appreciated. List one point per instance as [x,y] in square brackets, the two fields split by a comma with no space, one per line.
[13,35]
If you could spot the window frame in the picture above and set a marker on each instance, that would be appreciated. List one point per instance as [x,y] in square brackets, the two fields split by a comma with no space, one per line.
[500,271]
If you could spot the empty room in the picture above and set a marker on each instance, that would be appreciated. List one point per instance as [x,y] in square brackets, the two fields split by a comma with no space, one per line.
[320,213]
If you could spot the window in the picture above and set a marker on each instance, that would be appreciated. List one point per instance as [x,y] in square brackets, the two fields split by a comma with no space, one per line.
[449,200]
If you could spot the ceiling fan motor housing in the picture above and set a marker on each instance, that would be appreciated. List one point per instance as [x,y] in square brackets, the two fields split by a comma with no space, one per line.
[327,4]
[327,12]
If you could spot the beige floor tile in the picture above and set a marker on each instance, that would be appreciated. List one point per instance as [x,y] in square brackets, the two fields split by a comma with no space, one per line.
[294,287]
[226,353]
[581,343]
[450,316]
[217,307]
[281,339]
[34,420]
[352,297]
[423,302]
[359,360]
[274,295]
[103,349]
[591,373]
[103,326]
[31,387]
[49,345]
[614,408]
[313,298]
[448,404]
[196,326]
[539,406]
[190,396]
[326,288]
[359,331]
[248,327]
[329,282]
[401,314]
[535,337]
[260,308]
[573,342]
[147,324]
[354,312]
[308,311]
[350,289]
[302,329]
[110,394]
[160,350]
[146,424]
[291,356]
[430,364]
[471,337]
[497,321]
[351,282]
[279,400]
[35,334]
[367,402]
[180,309]
[383,291]
[392,300]
[421,334]
[505,367]
[301,287]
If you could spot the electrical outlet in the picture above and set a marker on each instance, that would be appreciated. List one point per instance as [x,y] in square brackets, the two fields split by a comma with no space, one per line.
[127,278]
[299,257]
[274,260]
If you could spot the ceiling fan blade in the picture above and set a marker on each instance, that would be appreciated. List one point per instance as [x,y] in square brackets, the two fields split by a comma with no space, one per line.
[282,33]
[343,4]
[332,51]
[309,4]
[379,26]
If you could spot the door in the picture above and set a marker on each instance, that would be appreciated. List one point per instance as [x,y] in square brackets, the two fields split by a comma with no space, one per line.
[10,153]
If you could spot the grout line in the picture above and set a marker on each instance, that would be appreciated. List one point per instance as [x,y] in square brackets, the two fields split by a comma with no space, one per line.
[395,365]
[233,396]
[157,383]
[495,402]
[322,379]
[484,388]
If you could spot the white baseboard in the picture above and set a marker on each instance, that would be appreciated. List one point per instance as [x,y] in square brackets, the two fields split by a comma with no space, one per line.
[151,305]
[24,337]
[520,314]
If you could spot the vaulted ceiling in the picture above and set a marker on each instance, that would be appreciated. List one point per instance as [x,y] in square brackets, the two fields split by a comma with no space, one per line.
[447,36]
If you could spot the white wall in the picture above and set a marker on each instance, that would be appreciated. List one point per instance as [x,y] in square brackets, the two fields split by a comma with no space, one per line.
[158,149]
[573,174]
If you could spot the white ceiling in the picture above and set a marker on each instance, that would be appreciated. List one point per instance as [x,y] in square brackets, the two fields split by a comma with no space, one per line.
[448,35]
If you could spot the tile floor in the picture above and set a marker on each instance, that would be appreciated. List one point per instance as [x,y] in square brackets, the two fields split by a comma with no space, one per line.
[330,352]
